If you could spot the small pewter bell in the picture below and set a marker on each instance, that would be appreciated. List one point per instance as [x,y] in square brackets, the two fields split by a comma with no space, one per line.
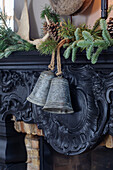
[59,100]
[41,89]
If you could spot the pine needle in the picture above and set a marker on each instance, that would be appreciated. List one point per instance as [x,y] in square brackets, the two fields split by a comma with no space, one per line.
[48,46]
[51,15]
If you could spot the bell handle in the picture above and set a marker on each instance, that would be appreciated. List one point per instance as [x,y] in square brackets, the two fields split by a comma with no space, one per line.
[51,66]
[61,43]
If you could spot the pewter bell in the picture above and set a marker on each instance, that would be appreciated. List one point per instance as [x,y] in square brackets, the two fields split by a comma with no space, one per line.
[58,100]
[40,91]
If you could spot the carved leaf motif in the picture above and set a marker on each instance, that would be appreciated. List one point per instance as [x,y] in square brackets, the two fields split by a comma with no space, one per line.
[15,87]
[75,133]
[68,134]
[10,79]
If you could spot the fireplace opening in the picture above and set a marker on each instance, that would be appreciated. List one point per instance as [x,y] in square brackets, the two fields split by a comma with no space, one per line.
[100,158]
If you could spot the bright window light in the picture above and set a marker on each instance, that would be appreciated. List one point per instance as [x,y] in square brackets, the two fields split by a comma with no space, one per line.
[8,7]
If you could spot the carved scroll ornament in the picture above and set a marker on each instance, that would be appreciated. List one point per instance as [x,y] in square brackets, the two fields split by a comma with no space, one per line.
[91,95]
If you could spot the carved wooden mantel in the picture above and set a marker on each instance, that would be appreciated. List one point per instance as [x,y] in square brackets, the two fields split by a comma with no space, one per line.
[91,88]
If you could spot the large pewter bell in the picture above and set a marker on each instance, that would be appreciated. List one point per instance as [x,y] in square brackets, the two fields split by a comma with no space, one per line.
[59,100]
[41,89]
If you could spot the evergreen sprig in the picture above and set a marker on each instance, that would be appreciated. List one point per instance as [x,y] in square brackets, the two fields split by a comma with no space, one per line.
[10,42]
[51,15]
[67,29]
[48,46]
[86,40]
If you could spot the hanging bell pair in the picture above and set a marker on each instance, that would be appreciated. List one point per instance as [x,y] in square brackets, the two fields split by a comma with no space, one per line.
[41,89]
[52,92]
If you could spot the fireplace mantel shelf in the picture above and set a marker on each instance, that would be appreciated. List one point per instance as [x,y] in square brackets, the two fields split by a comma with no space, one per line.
[91,89]
[34,58]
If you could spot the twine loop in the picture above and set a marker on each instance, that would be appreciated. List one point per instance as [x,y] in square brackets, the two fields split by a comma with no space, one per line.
[59,70]
[51,66]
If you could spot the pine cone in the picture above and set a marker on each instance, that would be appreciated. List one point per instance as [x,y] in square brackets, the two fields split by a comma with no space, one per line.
[53,29]
[45,28]
[110,26]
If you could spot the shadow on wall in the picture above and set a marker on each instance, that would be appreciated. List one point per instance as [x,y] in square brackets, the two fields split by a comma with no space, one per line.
[89,16]
[93,12]
[33,25]
[93,8]
[17,12]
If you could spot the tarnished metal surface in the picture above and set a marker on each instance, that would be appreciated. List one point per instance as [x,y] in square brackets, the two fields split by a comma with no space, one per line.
[40,91]
[59,100]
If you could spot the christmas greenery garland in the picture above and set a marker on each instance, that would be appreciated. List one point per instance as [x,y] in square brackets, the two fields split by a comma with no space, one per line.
[93,41]
[10,41]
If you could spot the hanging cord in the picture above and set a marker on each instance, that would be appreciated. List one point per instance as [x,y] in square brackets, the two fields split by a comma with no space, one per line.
[51,66]
[59,71]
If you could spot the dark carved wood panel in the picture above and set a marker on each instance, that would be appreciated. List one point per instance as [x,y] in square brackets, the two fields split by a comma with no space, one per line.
[91,93]
[15,86]
[69,134]
[74,133]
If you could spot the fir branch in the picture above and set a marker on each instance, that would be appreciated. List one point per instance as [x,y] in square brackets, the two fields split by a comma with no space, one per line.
[74,51]
[99,39]
[84,27]
[106,38]
[17,47]
[105,32]
[97,34]
[66,45]
[89,51]
[99,43]
[78,34]
[10,42]
[51,15]
[74,44]
[96,26]
[7,53]
[48,46]
[96,55]
[97,23]
[67,30]
[67,52]
[84,43]
[1,55]
[87,36]
[103,24]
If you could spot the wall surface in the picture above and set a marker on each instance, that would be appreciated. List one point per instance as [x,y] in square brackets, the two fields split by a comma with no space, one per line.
[35,7]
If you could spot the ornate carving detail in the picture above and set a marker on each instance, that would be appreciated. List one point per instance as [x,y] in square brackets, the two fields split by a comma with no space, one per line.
[15,86]
[109,97]
[68,134]
[10,79]
[74,133]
